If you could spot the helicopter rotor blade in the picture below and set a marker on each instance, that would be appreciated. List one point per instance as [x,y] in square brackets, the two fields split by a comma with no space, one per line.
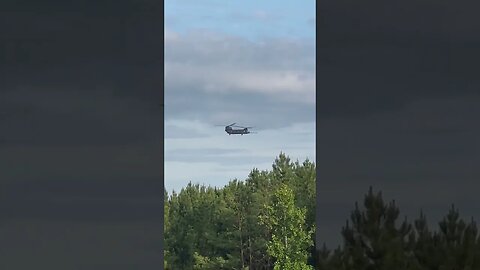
[243,127]
[225,125]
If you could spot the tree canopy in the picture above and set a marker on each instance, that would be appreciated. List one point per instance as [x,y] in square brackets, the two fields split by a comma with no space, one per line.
[375,239]
[266,222]
[222,228]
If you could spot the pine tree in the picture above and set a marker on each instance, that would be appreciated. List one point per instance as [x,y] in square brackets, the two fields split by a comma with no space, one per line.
[426,245]
[335,260]
[374,241]
[458,242]
[323,256]
[282,171]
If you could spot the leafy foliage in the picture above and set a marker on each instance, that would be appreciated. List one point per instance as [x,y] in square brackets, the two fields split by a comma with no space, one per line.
[290,241]
[219,228]
[267,222]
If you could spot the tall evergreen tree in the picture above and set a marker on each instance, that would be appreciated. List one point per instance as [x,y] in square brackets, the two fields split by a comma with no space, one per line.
[282,171]
[374,241]
[458,243]
[426,245]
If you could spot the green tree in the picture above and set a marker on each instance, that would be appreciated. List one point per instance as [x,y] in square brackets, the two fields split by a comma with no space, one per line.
[290,240]
[259,188]
[218,228]
[305,193]
[458,243]
[182,234]
[206,263]
[166,224]
[374,241]
[426,244]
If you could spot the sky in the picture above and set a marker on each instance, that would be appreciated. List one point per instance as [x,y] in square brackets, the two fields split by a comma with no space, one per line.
[250,63]
[80,135]
[398,94]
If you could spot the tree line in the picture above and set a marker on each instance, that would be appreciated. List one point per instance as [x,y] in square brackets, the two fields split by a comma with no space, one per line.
[374,238]
[264,222]
[267,222]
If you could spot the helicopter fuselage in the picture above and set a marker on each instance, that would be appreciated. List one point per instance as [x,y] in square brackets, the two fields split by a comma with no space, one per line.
[231,131]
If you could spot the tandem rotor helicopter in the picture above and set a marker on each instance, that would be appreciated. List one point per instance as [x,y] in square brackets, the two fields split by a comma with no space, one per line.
[231,129]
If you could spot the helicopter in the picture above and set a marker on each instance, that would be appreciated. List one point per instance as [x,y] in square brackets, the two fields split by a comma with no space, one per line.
[242,130]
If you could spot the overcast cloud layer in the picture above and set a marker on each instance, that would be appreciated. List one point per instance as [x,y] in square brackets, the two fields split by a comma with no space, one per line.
[219,76]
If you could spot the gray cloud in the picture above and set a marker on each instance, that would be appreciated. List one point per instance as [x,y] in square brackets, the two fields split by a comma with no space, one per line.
[218,79]
[217,158]
[223,65]
[259,16]
[220,50]
[207,153]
